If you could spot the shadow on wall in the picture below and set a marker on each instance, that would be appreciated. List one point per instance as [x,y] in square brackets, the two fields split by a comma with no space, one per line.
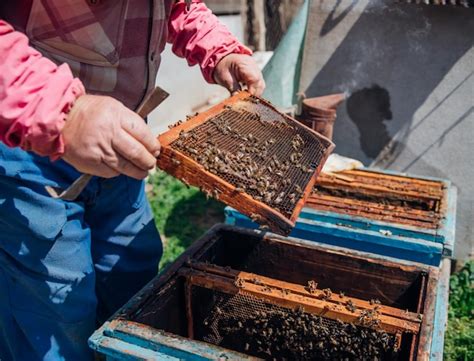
[369,108]
[397,47]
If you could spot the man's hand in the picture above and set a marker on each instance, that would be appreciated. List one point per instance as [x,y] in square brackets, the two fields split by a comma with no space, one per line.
[234,69]
[105,138]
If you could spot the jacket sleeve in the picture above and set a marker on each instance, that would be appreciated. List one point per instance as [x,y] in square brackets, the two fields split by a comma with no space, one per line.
[35,96]
[199,36]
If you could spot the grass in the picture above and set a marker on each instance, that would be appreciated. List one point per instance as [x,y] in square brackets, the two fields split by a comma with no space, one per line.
[182,214]
[459,341]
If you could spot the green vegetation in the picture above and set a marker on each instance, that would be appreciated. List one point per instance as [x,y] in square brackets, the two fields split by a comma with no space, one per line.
[182,214]
[459,342]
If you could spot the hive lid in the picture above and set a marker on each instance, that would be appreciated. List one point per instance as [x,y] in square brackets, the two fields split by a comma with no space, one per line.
[250,156]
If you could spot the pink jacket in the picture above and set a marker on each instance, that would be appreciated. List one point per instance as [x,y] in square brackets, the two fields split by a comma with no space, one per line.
[37,93]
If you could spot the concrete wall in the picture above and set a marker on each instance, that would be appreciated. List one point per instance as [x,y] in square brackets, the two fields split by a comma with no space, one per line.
[408,71]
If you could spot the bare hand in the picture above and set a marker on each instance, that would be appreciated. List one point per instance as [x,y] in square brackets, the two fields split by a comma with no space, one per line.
[105,138]
[234,69]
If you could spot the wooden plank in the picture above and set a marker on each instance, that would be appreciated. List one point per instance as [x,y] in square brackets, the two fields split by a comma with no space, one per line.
[383,209]
[302,290]
[271,290]
[139,335]
[426,332]
[376,190]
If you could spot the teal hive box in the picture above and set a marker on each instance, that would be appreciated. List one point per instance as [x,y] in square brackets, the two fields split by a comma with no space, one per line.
[154,324]
[339,217]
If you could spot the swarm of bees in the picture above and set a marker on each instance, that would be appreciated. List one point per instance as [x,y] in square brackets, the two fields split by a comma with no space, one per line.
[298,335]
[254,166]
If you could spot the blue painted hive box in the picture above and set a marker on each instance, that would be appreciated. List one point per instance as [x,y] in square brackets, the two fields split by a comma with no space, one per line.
[234,291]
[391,214]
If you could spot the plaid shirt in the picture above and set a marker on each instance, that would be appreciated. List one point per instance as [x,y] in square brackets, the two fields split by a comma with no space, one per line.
[114,46]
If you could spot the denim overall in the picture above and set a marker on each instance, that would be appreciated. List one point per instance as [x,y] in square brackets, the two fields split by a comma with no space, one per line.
[65,267]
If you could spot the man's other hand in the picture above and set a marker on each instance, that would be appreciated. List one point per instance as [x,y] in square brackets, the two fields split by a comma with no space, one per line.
[234,69]
[105,138]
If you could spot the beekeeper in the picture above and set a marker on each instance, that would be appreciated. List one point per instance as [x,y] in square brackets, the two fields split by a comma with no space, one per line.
[71,72]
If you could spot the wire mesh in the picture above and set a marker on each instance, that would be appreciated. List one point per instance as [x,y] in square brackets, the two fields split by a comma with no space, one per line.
[256,149]
[253,326]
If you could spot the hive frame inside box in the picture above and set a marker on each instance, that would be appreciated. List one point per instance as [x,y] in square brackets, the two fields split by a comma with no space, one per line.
[443,235]
[191,172]
[120,333]
[380,237]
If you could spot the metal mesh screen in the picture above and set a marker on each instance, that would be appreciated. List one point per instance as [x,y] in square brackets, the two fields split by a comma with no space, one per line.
[247,324]
[256,149]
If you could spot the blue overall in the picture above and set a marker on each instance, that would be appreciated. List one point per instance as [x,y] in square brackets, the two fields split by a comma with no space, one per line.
[65,267]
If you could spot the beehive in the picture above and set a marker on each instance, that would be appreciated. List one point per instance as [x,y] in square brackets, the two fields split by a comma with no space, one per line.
[387,213]
[221,298]
[390,198]
[250,156]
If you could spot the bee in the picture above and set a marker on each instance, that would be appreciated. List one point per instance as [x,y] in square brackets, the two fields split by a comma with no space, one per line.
[350,306]
[293,157]
[255,217]
[312,286]
[207,193]
[327,293]
[215,193]
[253,100]
[227,107]
[298,189]
[279,199]
[268,197]
[179,122]
[183,134]
[175,161]
[239,282]
[179,143]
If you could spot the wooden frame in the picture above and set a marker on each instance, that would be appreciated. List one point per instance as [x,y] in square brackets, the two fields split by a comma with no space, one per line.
[191,172]
[392,320]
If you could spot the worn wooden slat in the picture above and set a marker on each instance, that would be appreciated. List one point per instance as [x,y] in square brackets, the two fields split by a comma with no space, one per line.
[323,200]
[270,290]
[302,290]
[139,335]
